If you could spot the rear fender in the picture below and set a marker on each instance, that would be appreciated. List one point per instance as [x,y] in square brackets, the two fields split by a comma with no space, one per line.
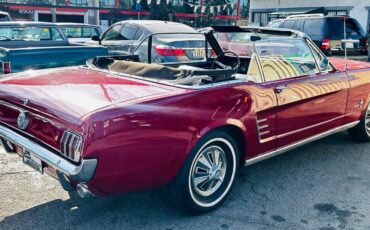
[216,124]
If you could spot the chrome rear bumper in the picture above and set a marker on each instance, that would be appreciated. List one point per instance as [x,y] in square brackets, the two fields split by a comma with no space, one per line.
[83,172]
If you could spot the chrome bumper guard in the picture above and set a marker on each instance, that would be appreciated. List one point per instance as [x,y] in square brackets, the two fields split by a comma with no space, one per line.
[83,172]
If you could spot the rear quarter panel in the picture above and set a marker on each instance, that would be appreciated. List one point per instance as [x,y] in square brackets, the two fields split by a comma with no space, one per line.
[144,145]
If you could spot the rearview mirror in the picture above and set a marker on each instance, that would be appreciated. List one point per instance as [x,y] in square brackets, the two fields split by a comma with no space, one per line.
[95,38]
[324,64]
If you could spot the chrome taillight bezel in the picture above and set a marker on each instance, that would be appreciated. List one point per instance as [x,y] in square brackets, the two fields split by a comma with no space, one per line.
[71,145]
[7,69]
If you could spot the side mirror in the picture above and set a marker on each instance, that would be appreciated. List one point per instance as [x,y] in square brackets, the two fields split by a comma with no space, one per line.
[95,38]
[324,64]
[255,38]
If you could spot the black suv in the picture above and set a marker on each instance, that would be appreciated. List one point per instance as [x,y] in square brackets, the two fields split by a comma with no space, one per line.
[328,32]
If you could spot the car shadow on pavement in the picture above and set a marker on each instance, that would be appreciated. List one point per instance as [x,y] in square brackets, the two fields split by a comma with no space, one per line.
[303,189]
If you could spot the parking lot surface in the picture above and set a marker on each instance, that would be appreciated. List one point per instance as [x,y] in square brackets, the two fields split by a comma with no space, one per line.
[324,185]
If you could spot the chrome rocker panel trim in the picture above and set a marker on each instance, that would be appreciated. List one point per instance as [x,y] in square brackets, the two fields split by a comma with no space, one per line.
[81,173]
[287,148]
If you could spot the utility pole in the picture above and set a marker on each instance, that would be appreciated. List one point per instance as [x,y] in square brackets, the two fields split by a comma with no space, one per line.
[93,14]
[54,11]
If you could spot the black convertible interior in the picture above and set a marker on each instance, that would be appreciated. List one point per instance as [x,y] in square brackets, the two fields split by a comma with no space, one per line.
[222,68]
[280,54]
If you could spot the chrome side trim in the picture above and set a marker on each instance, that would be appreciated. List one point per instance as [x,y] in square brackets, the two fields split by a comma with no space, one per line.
[81,173]
[261,120]
[262,128]
[284,149]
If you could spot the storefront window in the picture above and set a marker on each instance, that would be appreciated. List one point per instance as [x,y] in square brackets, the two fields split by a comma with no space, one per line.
[336,12]
[261,18]
[107,3]
[78,3]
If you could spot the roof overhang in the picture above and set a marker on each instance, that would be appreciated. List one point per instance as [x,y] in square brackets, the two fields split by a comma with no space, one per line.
[300,10]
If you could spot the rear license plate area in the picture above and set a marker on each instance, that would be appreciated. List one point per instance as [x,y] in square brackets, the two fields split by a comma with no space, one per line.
[33,161]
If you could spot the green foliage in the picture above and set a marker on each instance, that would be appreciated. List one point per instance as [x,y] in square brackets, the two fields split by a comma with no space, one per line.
[161,11]
[244,8]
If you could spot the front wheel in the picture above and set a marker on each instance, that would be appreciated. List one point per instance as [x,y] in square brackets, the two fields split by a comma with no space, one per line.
[208,174]
[361,132]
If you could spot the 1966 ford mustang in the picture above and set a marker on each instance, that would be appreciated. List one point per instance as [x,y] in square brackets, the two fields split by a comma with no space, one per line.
[126,123]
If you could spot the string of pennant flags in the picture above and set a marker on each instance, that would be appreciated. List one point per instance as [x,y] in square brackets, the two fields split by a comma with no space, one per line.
[212,9]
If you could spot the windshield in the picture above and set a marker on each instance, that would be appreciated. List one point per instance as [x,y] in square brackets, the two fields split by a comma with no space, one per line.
[30,34]
[285,58]
[80,32]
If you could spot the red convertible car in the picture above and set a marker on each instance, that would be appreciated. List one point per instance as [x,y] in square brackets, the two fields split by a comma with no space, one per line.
[124,123]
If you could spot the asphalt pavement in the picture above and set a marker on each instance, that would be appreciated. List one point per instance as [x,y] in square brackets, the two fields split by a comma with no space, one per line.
[324,185]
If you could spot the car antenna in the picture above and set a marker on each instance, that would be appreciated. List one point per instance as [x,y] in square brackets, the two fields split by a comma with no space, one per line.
[345,45]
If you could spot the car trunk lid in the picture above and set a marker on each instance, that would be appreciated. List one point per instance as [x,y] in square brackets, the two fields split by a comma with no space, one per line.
[70,93]
[56,99]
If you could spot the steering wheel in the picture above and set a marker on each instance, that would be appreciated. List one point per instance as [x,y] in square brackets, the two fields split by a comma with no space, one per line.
[222,65]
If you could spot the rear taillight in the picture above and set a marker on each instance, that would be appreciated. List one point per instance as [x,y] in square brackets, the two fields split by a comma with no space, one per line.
[6,68]
[169,51]
[71,145]
[325,45]
[213,53]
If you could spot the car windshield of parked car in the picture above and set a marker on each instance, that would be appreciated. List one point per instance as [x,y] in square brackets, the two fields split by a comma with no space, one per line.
[80,32]
[4,18]
[178,48]
[285,58]
[30,33]
[274,24]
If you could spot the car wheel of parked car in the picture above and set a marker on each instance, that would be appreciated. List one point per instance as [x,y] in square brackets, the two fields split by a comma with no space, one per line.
[208,174]
[361,132]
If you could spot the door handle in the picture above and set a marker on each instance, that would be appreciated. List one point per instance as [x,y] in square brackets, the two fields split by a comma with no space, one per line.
[280,88]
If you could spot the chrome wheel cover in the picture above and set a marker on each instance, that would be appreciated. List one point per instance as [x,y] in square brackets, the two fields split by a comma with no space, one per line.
[216,194]
[208,171]
[367,120]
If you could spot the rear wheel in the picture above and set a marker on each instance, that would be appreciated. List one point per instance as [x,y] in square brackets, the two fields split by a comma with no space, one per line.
[208,174]
[361,132]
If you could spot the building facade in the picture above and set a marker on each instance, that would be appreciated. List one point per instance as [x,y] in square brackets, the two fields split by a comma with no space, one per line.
[263,11]
[194,12]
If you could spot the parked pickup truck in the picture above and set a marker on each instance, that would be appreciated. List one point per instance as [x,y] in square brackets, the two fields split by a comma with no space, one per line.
[34,45]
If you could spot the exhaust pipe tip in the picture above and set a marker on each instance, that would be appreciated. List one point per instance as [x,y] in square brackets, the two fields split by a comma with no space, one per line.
[83,191]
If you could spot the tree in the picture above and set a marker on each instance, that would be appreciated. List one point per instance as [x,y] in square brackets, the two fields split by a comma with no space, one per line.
[162,10]
[244,9]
